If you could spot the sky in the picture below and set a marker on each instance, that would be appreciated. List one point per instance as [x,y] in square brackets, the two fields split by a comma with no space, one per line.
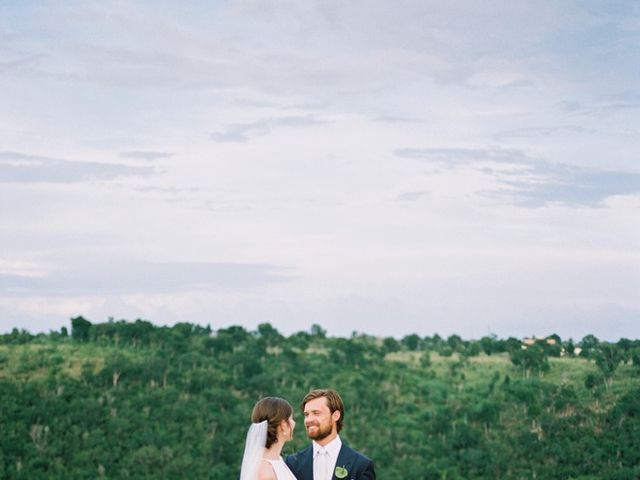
[388,168]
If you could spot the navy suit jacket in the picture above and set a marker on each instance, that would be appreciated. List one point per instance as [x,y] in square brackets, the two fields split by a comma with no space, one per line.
[357,465]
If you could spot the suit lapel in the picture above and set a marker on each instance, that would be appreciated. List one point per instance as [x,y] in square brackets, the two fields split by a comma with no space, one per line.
[345,459]
[307,466]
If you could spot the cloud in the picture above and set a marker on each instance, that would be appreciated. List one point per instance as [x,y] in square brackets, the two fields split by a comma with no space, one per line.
[573,186]
[131,68]
[410,196]
[79,276]
[243,132]
[530,182]
[146,155]
[628,101]
[541,132]
[19,63]
[395,120]
[460,156]
[18,167]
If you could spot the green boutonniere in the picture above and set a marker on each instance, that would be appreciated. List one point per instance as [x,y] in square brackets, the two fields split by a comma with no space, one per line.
[341,472]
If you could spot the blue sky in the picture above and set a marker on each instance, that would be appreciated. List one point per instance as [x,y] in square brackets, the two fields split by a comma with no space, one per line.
[381,167]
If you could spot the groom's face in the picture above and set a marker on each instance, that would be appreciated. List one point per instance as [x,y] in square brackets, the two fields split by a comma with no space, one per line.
[318,419]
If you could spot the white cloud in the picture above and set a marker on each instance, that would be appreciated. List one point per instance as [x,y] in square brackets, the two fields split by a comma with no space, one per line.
[243,132]
[145,155]
[532,182]
[25,168]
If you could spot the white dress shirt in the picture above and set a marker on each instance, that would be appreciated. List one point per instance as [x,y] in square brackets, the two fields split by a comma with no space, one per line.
[325,458]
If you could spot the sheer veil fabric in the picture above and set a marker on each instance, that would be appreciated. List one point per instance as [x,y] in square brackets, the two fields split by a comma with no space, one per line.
[253,450]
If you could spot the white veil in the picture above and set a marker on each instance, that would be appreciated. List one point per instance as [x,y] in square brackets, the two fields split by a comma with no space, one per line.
[254,450]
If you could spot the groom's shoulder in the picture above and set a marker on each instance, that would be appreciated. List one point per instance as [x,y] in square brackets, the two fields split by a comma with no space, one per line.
[300,455]
[359,456]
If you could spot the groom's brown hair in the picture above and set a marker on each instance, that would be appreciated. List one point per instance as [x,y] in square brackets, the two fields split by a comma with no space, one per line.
[334,402]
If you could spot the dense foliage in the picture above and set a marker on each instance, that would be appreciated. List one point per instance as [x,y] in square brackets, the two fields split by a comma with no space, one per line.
[129,400]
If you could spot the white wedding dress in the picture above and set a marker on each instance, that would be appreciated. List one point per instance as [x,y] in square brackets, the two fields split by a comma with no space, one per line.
[253,455]
[282,471]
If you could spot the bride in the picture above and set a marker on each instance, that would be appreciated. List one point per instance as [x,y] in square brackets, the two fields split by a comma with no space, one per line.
[272,425]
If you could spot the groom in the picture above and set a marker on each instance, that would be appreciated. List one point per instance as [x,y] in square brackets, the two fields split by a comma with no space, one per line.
[327,458]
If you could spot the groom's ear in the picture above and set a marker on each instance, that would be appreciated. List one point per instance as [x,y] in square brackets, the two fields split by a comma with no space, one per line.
[335,416]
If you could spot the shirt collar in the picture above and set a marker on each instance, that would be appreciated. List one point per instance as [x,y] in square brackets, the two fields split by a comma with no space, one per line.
[332,448]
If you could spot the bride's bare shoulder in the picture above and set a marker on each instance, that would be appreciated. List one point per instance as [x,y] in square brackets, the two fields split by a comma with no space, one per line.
[266,471]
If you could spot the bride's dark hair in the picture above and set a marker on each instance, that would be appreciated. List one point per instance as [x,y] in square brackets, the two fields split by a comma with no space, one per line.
[274,410]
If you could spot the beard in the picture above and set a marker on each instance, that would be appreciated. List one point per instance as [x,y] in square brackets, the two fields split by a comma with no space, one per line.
[322,431]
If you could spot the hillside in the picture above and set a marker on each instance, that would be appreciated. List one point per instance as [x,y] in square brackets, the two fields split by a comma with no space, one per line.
[129,400]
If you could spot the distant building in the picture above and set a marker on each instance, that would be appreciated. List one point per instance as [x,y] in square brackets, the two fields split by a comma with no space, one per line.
[528,341]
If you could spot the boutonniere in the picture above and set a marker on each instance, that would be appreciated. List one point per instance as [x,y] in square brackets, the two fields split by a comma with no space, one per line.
[341,472]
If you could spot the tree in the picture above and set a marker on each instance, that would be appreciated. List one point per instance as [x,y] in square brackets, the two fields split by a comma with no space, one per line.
[227,339]
[425,359]
[80,328]
[486,412]
[433,343]
[532,359]
[488,344]
[17,337]
[552,345]
[456,343]
[635,357]
[569,348]
[588,344]
[299,340]
[607,357]
[626,346]
[317,331]
[411,342]
[270,335]
[512,344]
[473,349]
[390,345]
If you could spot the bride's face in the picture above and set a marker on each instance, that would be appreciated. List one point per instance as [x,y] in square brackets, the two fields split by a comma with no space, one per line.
[287,427]
[292,424]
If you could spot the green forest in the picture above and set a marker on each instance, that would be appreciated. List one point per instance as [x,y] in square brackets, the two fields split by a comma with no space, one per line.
[131,400]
